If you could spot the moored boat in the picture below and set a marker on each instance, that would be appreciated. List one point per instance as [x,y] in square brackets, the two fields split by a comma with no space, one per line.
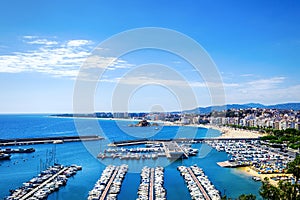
[4,156]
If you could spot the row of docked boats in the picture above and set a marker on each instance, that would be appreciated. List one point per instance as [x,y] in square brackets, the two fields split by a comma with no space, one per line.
[260,157]
[47,182]
[198,183]
[146,149]
[152,184]
[150,151]
[109,185]
[18,150]
[5,154]
[130,156]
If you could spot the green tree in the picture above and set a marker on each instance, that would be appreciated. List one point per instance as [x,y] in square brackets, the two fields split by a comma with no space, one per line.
[268,191]
[285,190]
[247,197]
[294,168]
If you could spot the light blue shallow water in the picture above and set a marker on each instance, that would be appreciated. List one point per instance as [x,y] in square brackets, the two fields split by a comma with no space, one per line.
[22,167]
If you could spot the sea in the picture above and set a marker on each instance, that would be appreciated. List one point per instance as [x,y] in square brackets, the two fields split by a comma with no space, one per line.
[23,167]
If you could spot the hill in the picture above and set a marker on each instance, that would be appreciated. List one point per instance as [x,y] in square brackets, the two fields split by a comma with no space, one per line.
[205,110]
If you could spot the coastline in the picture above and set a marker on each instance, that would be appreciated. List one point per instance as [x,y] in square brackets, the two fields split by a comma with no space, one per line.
[250,172]
[226,132]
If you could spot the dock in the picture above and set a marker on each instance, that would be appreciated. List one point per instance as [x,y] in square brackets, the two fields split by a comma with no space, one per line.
[170,150]
[198,183]
[103,196]
[231,164]
[46,140]
[45,183]
[206,197]
[42,185]
[109,184]
[151,186]
[173,150]
[151,189]
[192,140]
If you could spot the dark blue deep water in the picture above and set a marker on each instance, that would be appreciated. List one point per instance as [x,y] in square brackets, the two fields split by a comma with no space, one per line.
[22,167]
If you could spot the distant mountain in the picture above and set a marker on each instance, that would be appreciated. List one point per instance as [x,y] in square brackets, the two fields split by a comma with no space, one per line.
[205,110]
[286,106]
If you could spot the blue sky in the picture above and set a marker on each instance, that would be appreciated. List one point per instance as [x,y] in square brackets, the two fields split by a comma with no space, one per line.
[255,45]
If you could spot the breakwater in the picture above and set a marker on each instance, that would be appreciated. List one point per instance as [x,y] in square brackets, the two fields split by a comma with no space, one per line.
[45,140]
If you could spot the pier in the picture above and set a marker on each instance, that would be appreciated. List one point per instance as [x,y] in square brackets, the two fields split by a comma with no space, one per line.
[109,184]
[193,140]
[173,150]
[198,183]
[170,150]
[103,196]
[45,183]
[45,140]
[151,190]
[42,185]
[151,186]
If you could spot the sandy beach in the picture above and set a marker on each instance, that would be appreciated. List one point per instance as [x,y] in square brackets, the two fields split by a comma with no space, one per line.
[250,172]
[228,132]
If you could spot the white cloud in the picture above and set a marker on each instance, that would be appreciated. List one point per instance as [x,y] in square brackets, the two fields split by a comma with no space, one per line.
[30,37]
[119,64]
[77,43]
[267,91]
[57,58]
[43,42]
[247,75]
[265,84]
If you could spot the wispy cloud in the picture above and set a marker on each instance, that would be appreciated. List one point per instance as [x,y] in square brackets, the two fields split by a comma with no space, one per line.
[78,43]
[51,56]
[57,58]
[247,75]
[265,84]
[268,91]
[42,42]
[119,64]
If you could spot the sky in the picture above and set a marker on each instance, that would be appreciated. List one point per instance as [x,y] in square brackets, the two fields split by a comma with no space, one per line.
[254,44]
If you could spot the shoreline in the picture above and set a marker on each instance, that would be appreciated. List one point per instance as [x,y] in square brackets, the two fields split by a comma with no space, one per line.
[250,172]
[226,132]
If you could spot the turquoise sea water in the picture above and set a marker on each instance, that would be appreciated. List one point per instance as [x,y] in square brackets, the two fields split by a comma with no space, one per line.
[22,167]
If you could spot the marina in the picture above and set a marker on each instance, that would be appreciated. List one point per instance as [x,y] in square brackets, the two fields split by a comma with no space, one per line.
[198,183]
[47,182]
[109,184]
[260,157]
[23,167]
[151,185]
